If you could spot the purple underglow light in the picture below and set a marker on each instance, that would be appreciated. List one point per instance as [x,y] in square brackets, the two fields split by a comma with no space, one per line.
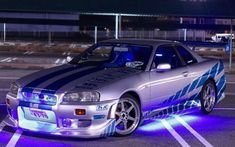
[154,125]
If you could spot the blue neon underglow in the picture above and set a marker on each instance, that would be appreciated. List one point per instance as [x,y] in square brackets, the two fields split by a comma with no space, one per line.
[153,125]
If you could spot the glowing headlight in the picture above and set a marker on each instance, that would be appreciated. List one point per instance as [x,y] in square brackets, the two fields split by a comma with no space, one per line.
[82,97]
[14,89]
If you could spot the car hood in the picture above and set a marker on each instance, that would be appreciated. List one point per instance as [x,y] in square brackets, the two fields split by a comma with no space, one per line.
[69,77]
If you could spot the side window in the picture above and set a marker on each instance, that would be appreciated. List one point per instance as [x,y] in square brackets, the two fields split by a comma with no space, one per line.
[167,54]
[186,55]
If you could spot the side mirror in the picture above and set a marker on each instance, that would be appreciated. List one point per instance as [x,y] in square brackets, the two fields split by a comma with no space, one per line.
[163,67]
[69,58]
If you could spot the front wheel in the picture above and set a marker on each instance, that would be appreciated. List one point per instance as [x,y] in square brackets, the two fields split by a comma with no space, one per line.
[127,115]
[208,97]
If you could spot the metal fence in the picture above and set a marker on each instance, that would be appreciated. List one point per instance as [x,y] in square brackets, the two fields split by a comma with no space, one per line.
[74,34]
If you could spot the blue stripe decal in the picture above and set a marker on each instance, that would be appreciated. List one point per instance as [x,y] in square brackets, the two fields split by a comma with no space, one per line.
[179,107]
[220,69]
[202,81]
[184,90]
[220,84]
[110,129]
[194,84]
[221,91]
[214,71]
[113,128]
[170,99]
[194,100]
[53,87]
[177,95]
[44,78]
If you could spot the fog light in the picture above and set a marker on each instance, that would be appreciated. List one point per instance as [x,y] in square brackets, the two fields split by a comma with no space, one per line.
[66,122]
[80,111]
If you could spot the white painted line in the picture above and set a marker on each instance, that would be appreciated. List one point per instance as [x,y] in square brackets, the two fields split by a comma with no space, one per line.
[9,60]
[9,78]
[6,59]
[25,53]
[57,61]
[14,138]
[229,93]
[14,58]
[3,104]
[174,133]
[2,124]
[4,89]
[197,135]
[229,109]
[30,53]
[230,82]
[63,62]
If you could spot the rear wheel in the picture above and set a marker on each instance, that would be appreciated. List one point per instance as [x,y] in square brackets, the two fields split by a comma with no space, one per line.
[127,115]
[208,97]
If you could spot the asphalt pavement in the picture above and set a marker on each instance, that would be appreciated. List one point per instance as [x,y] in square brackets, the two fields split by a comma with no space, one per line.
[194,129]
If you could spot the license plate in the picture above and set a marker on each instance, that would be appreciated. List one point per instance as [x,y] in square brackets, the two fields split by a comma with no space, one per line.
[38,114]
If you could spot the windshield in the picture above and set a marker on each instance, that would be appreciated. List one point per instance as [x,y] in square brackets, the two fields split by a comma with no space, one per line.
[116,55]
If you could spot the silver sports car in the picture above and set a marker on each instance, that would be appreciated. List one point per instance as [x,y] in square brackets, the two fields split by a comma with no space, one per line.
[114,85]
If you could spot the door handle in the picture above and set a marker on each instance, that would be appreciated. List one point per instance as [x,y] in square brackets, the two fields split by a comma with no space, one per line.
[185,74]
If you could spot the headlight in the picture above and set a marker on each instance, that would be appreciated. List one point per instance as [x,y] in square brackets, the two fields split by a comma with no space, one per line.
[14,89]
[82,97]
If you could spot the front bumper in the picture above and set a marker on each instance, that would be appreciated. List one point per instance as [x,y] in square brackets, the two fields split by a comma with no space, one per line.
[99,120]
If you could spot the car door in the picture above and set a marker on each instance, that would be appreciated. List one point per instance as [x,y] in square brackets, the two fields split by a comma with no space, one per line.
[194,70]
[168,86]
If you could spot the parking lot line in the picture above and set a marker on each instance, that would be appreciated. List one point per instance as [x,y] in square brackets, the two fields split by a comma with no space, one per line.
[190,129]
[64,61]
[57,61]
[4,89]
[14,138]
[6,59]
[229,109]
[174,133]
[25,53]
[28,53]
[229,93]
[230,82]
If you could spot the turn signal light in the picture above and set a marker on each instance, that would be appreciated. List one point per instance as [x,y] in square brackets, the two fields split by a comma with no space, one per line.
[80,111]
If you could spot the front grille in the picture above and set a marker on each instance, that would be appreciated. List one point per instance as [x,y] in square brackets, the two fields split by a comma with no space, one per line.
[39,98]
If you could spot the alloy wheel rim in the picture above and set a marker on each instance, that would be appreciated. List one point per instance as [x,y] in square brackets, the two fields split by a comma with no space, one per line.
[209,97]
[127,116]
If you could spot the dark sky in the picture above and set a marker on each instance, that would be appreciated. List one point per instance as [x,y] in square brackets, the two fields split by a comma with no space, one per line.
[211,8]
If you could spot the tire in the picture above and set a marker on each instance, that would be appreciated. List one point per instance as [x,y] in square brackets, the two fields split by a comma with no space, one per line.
[208,97]
[128,115]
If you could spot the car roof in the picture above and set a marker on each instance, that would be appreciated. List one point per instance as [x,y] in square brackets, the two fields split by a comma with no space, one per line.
[149,42]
